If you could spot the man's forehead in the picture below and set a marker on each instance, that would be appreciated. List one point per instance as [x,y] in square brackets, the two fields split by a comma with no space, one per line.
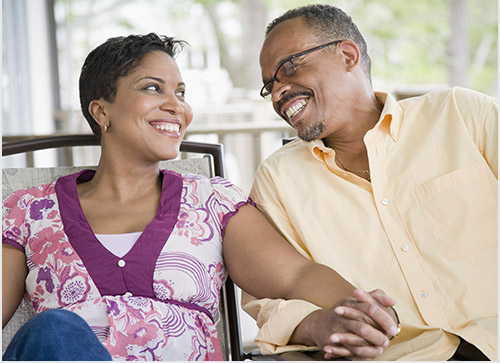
[289,37]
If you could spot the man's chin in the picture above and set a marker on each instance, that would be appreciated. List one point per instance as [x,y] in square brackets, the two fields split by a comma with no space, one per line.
[312,133]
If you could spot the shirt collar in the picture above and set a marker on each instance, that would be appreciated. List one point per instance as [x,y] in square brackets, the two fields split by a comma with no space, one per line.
[391,117]
[392,114]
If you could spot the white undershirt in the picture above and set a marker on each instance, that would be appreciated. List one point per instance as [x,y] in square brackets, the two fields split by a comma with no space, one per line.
[119,244]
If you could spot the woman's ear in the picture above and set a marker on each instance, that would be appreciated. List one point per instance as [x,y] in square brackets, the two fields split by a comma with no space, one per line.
[98,111]
[350,54]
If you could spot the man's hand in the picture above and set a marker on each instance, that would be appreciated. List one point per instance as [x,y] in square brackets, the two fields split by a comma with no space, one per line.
[372,309]
[355,328]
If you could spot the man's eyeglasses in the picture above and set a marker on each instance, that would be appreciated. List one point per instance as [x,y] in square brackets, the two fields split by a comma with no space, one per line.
[287,68]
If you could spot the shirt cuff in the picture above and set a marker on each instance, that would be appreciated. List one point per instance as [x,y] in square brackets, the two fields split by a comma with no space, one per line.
[277,329]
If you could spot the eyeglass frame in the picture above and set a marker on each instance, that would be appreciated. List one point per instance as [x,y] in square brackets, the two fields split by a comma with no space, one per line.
[290,59]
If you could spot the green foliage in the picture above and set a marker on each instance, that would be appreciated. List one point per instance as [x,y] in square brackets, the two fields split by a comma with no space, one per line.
[408,41]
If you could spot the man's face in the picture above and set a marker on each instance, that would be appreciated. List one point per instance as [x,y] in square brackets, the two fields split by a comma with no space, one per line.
[308,97]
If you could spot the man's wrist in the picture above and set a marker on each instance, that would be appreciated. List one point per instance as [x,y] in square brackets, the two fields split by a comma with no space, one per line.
[304,332]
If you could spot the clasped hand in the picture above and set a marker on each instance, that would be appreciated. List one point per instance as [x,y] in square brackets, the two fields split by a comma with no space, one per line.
[357,328]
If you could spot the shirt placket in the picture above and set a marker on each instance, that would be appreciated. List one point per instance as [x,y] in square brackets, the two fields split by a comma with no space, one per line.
[401,241]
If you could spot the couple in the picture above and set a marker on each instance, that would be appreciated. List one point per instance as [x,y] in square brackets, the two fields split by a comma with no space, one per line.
[384,193]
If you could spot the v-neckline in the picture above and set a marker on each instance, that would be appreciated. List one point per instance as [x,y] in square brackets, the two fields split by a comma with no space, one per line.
[134,271]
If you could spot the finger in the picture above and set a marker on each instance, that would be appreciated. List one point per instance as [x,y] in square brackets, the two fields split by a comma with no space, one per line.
[348,339]
[355,312]
[367,332]
[335,351]
[366,352]
[382,298]
[378,314]
[352,353]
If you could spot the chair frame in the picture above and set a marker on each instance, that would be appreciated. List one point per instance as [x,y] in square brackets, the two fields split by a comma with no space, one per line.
[229,294]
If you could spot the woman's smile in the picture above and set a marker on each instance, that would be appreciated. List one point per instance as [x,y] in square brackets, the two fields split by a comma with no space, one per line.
[170,128]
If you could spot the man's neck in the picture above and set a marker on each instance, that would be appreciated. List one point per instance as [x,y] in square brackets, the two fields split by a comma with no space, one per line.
[367,113]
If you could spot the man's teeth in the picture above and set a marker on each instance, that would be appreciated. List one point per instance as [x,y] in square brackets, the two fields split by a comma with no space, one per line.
[292,111]
[168,127]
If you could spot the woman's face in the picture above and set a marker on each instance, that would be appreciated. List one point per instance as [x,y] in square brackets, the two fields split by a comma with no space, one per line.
[149,116]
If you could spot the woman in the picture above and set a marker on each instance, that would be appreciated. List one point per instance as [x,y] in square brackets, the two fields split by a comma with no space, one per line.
[135,251]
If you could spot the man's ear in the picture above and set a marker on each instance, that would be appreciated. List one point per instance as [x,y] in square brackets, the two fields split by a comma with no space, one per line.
[350,54]
[97,108]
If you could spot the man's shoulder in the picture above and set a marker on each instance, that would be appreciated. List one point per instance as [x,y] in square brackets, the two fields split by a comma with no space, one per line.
[457,95]
[295,147]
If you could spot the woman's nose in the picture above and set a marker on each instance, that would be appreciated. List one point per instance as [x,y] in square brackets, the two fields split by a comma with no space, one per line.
[172,105]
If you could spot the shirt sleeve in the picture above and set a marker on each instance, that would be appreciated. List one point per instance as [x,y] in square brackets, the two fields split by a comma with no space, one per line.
[15,231]
[277,319]
[230,199]
[479,113]
[488,142]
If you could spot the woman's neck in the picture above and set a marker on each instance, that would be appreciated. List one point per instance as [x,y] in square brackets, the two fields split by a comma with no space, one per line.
[122,181]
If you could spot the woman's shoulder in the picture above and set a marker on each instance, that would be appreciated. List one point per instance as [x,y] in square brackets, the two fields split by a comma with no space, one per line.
[31,194]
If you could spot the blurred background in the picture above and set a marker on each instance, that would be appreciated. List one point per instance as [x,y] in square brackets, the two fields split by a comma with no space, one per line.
[415,46]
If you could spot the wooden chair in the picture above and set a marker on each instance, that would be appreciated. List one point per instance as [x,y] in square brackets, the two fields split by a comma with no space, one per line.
[210,164]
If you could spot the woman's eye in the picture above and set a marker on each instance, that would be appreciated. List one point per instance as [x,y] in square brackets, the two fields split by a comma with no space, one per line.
[153,87]
[181,93]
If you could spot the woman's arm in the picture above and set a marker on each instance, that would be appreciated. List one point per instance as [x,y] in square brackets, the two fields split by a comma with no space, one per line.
[14,272]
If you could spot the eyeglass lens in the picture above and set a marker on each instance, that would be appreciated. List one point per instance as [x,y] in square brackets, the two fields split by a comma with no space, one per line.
[286,69]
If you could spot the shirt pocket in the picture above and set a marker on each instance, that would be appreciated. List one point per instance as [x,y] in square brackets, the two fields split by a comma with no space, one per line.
[461,210]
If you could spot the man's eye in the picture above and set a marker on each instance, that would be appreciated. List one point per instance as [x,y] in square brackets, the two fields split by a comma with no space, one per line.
[288,68]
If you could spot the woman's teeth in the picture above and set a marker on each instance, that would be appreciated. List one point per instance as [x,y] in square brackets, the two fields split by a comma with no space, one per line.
[168,127]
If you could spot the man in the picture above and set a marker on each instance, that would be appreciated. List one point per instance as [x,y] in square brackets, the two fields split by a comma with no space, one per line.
[400,196]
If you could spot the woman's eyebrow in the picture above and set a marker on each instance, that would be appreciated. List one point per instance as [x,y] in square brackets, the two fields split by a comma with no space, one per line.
[161,80]
[153,78]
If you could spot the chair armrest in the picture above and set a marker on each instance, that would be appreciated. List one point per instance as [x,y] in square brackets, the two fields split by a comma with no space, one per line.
[287,356]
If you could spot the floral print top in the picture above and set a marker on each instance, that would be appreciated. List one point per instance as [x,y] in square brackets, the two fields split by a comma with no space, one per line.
[160,301]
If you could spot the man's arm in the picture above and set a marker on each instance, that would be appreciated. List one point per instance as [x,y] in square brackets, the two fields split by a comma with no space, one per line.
[262,263]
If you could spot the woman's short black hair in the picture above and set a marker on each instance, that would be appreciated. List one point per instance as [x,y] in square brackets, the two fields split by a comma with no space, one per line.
[116,58]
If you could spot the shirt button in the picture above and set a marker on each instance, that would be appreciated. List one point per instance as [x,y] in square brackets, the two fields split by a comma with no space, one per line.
[425,294]
[385,201]
[121,263]
[405,247]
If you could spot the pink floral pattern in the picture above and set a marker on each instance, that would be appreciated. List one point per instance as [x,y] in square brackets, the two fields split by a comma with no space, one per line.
[189,269]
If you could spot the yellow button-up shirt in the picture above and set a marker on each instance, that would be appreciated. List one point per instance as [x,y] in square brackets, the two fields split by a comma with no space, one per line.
[424,230]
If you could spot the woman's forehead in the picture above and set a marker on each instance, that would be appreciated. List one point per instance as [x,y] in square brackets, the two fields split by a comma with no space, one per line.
[158,63]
